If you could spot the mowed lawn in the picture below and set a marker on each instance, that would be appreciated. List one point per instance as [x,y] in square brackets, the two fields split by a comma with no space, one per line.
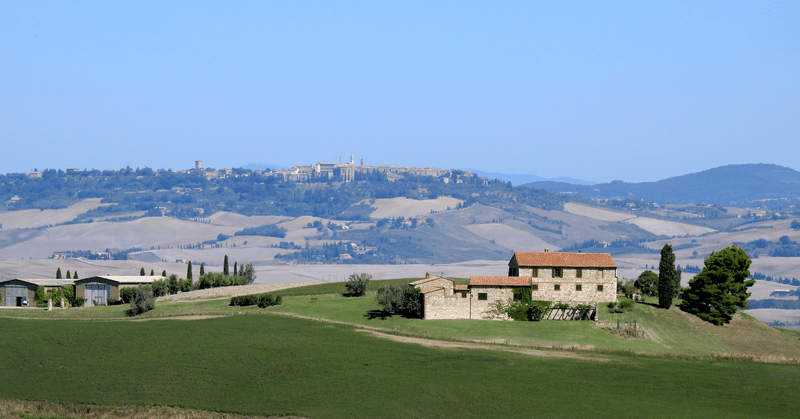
[264,364]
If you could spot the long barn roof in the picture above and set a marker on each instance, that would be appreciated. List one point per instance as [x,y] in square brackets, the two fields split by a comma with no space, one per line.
[567,260]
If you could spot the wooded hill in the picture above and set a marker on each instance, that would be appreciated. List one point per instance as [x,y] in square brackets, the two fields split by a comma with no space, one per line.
[734,185]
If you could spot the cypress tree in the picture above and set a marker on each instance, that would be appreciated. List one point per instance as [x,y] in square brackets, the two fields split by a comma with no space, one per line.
[164,273]
[58,273]
[75,275]
[668,278]
[152,273]
[141,271]
[202,269]
[225,266]
[68,275]
[234,268]
[189,271]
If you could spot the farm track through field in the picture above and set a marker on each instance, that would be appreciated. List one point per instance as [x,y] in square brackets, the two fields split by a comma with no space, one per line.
[439,343]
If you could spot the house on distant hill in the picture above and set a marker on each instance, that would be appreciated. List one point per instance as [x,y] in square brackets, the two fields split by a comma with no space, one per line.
[571,278]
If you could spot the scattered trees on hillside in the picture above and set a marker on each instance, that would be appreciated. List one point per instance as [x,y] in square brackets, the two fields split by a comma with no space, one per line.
[356,284]
[647,283]
[669,279]
[715,293]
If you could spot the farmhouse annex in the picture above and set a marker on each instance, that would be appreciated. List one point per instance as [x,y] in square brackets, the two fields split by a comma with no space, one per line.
[572,278]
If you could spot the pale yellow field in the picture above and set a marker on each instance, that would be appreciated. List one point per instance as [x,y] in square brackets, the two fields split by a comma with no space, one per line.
[596,213]
[404,207]
[37,218]
[668,228]
[229,219]
[510,238]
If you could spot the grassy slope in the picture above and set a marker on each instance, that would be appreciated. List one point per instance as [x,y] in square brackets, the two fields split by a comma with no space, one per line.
[275,365]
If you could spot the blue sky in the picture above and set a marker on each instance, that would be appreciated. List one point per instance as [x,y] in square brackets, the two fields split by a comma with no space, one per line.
[635,91]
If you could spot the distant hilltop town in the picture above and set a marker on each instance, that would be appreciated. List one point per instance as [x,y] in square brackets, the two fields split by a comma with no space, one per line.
[344,172]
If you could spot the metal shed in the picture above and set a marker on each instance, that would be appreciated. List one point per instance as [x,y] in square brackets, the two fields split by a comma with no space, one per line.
[22,292]
[97,290]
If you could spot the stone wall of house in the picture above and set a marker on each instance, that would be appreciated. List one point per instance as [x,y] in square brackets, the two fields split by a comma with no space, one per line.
[589,281]
[439,305]
[480,308]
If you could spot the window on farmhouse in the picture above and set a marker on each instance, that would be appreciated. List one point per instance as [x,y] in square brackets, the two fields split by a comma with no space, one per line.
[482,296]
[535,287]
[557,287]
[600,288]
[463,294]
[578,287]
[579,273]
[558,272]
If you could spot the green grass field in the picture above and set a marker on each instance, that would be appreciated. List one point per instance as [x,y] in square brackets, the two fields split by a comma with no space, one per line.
[256,363]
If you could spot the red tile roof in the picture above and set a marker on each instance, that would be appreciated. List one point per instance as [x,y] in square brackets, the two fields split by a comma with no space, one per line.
[510,281]
[430,289]
[461,287]
[424,280]
[567,260]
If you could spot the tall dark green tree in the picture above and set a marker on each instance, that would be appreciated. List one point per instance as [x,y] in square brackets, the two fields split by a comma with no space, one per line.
[69,276]
[202,269]
[141,271]
[225,266]
[715,293]
[668,278]
[234,268]
[152,273]
[189,271]
[75,275]
[164,273]
[58,273]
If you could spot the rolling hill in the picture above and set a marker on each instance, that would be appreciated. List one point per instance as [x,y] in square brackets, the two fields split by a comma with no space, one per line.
[732,185]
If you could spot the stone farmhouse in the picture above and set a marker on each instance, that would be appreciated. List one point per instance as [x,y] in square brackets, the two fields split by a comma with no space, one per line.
[571,278]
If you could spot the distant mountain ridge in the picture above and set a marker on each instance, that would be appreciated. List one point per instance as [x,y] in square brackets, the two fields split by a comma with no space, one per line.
[517,179]
[726,185]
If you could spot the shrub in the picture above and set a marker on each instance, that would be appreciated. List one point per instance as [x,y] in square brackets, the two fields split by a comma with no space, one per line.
[390,297]
[261,300]
[113,301]
[627,305]
[127,294]
[412,302]
[357,284]
[79,302]
[160,287]
[143,301]
[527,310]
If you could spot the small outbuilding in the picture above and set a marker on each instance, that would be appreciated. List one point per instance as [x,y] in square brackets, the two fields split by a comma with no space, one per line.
[97,290]
[22,292]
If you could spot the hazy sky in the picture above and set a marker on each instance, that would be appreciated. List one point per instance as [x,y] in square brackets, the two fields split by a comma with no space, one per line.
[596,90]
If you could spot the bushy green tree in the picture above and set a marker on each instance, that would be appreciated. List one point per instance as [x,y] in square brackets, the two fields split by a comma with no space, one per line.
[160,287]
[68,292]
[401,299]
[356,284]
[143,301]
[647,283]
[247,273]
[721,287]
[669,279]
[41,295]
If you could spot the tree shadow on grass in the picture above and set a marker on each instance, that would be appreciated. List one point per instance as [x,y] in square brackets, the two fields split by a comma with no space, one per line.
[374,314]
